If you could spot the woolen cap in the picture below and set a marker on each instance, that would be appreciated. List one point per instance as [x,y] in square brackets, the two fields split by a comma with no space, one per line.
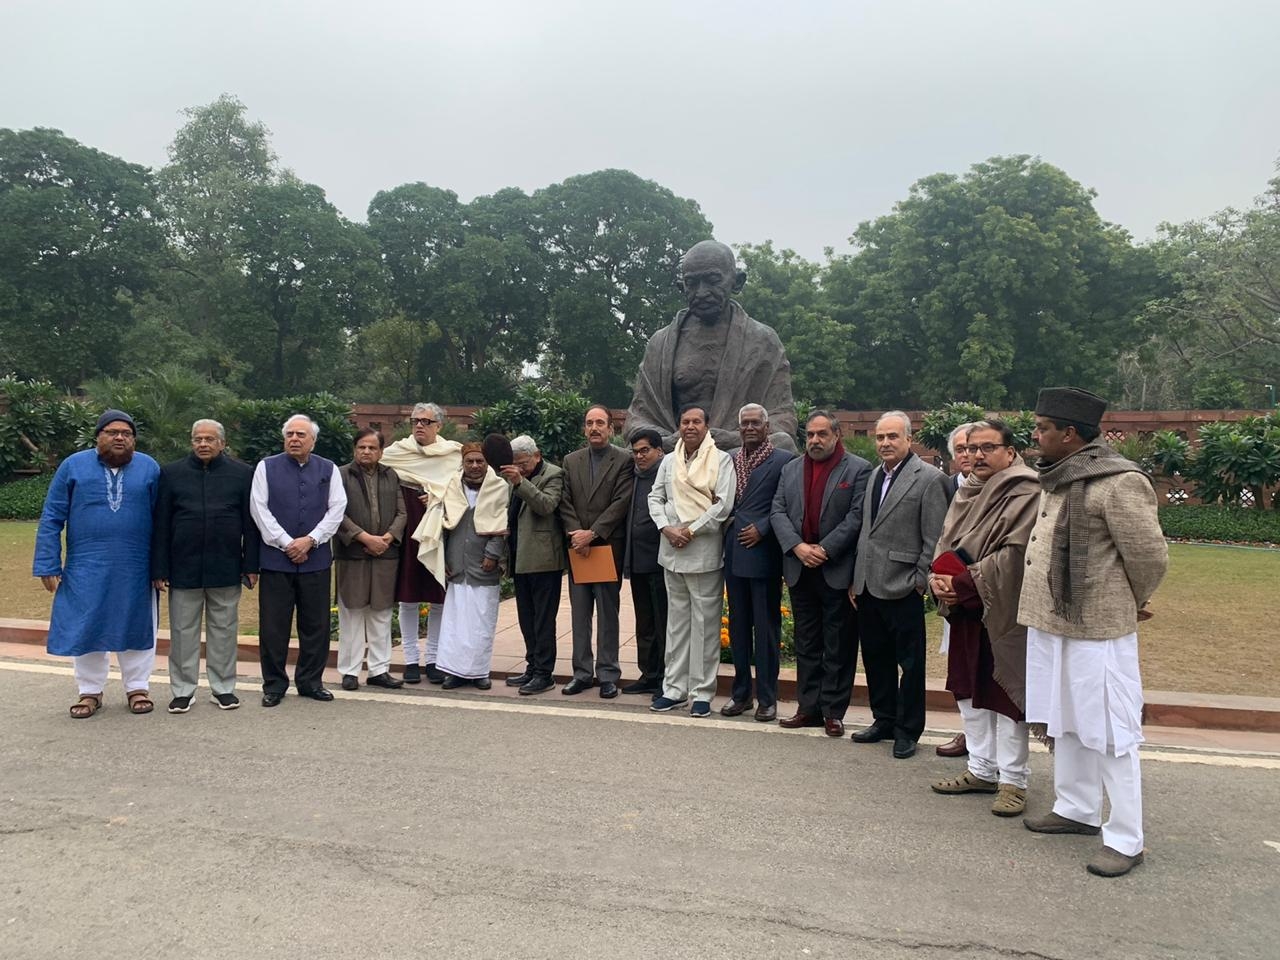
[1071,403]
[111,416]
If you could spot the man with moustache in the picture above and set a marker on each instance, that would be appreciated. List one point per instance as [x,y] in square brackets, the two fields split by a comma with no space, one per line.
[640,566]
[817,513]
[906,501]
[753,568]
[715,356]
[597,492]
[976,579]
[691,498]
[103,599]
[1095,558]
[203,547]
[298,502]
[367,557]
[962,466]
[425,462]
[535,542]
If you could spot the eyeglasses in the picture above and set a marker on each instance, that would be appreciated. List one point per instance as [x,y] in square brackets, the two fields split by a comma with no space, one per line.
[985,449]
[422,421]
[118,433]
[642,451]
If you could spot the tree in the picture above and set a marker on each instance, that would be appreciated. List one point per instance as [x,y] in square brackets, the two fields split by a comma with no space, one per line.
[613,243]
[990,285]
[79,246]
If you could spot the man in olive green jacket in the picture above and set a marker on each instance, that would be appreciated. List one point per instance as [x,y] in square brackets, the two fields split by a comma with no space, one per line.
[536,542]
[1095,557]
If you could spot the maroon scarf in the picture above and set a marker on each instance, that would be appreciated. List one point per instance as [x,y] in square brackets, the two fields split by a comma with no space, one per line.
[743,464]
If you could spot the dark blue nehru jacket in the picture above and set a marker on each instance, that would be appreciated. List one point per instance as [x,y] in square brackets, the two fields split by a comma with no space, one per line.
[298,497]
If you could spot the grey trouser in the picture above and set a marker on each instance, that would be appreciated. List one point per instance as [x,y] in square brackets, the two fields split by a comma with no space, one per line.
[602,599]
[694,602]
[221,609]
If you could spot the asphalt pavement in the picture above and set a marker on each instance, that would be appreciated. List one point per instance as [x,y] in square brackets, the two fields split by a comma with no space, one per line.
[460,826]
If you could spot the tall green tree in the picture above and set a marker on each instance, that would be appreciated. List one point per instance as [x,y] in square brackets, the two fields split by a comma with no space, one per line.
[989,285]
[80,244]
[613,243]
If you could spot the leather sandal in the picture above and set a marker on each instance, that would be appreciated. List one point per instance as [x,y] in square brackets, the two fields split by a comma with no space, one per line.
[86,706]
[139,702]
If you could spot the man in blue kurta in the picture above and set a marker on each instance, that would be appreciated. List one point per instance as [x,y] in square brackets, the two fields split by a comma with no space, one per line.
[103,601]
[298,501]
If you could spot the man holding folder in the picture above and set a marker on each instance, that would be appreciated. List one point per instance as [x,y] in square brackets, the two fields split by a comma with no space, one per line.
[597,493]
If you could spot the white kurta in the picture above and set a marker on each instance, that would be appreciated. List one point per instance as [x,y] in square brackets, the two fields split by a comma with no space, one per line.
[468,625]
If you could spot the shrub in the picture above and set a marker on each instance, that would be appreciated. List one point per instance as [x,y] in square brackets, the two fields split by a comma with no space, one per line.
[1219,523]
[553,418]
[864,447]
[24,499]
[253,426]
[39,425]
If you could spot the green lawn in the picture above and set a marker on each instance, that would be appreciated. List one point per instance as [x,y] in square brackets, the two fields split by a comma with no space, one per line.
[1212,631]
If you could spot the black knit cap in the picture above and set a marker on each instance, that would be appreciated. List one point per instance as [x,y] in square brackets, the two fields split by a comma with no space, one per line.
[1071,403]
[111,416]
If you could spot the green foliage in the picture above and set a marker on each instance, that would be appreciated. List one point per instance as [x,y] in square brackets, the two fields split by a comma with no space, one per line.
[1140,450]
[1220,523]
[865,447]
[1022,424]
[253,426]
[24,499]
[164,404]
[1170,453]
[1231,458]
[938,424]
[552,418]
[38,425]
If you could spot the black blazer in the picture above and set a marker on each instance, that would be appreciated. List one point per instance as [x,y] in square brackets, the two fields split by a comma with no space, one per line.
[202,535]
[764,560]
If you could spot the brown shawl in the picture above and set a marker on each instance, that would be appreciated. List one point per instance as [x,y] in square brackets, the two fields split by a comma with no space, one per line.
[992,520]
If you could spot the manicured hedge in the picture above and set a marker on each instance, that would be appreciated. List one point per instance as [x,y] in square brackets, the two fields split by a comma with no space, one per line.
[1231,524]
[24,499]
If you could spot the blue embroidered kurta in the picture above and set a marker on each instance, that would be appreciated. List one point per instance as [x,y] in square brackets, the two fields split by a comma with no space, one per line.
[105,600]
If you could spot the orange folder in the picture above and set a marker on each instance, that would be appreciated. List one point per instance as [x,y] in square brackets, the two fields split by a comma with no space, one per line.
[596,567]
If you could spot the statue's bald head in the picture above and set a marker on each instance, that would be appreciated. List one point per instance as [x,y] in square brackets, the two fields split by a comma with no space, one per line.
[709,276]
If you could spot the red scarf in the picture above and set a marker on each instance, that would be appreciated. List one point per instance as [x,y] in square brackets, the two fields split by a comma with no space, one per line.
[816,474]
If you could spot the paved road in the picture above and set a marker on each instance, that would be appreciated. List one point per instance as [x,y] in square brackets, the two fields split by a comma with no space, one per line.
[382,825]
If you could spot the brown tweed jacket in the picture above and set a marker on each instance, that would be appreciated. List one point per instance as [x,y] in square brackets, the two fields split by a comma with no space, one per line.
[1128,557]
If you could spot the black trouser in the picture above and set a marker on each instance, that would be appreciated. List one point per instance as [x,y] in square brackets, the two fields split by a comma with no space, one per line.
[826,646]
[755,629]
[893,640]
[537,603]
[279,595]
[649,598]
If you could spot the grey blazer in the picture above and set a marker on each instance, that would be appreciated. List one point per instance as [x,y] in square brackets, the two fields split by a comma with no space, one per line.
[894,551]
[838,524]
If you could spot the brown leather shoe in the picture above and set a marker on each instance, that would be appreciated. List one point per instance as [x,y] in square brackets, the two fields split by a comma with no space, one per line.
[735,709]
[955,747]
[767,714]
[801,720]
[834,727]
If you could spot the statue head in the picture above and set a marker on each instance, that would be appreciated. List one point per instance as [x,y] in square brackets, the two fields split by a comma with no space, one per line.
[709,276]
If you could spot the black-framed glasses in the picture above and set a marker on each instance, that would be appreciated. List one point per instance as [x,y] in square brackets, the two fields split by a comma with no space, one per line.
[422,421]
[986,449]
[119,433]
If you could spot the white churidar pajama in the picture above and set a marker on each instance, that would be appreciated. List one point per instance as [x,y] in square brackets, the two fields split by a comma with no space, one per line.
[694,604]
[1089,695]
[135,669]
[409,631]
[358,629]
[998,748]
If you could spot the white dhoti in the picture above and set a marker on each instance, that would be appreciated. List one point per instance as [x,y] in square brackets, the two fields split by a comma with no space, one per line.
[946,638]
[361,628]
[467,628]
[1088,693]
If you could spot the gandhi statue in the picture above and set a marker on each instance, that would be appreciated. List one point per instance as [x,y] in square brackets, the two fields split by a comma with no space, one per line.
[713,355]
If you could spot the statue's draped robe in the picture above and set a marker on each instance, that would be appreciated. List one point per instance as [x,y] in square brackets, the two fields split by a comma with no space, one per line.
[754,369]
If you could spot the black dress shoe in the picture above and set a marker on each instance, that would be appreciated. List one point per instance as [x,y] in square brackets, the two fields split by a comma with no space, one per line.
[349,682]
[412,673]
[736,708]
[642,686]
[767,714]
[903,747]
[608,690]
[575,686]
[873,734]
[317,693]
[483,683]
[383,680]
[433,674]
[272,699]
[451,682]
[520,679]
[536,685]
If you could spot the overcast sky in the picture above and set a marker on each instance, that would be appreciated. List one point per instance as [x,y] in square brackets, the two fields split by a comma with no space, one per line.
[790,122]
